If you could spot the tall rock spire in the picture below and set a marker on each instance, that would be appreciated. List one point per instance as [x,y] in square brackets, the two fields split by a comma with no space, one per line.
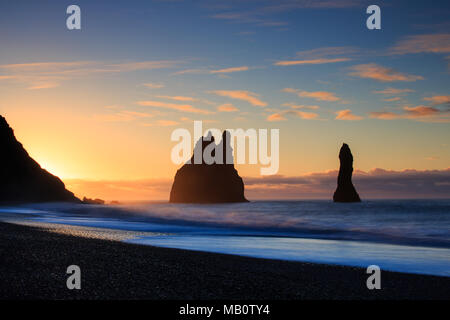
[345,191]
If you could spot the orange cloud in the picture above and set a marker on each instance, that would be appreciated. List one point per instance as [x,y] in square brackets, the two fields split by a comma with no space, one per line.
[438,99]
[327,52]
[153,85]
[431,43]
[178,98]
[393,91]
[419,113]
[280,116]
[384,115]
[312,61]
[45,85]
[191,71]
[347,115]
[304,115]
[173,106]
[393,99]
[276,117]
[44,75]
[318,95]
[50,66]
[248,96]
[141,65]
[227,107]
[379,73]
[300,106]
[229,70]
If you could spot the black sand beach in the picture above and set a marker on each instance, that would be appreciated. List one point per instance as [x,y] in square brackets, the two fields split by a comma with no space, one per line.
[34,261]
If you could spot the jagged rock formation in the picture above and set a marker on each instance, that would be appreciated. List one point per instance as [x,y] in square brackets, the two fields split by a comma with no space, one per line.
[21,178]
[345,191]
[208,183]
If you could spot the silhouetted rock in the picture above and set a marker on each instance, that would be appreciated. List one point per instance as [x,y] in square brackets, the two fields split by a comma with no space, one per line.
[345,191]
[93,201]
[21,178]
[208,183]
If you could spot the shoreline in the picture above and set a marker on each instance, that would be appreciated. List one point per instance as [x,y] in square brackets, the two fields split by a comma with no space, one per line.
[34,263]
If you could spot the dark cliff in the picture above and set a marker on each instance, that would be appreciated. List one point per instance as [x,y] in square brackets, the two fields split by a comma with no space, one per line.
[21,178]
[345,191]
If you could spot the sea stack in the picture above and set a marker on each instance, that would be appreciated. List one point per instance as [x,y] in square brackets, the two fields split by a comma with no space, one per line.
[209,183]
[345,191]
[21,178]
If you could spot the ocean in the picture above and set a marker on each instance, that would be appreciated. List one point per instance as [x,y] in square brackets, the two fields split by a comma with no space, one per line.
[410,236]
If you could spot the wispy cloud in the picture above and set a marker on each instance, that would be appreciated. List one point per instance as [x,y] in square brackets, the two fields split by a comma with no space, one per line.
[50,66]
[393,91]
[347,115]
[45,75]
[437,100]
[264,13]
[313,61]
[300,106]
[86,67]
[390,92]
[317,95]
[393,99]
[303,115]
[192,71]
[172,106]
[227,107]
[206,70]
[288,5]
[141,65]
[326,52]
[250,17]
[178,98]
[43,85]
[276,117]
[320,56]
[294,110]
[382,74]
[424,43]
[230,70]
[153,85]
[418,113]
[248,96]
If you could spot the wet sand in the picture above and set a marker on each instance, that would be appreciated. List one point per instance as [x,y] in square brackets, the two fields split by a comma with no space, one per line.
[34,262]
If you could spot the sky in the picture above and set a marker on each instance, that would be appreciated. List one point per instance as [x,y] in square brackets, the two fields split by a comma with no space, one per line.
[97,106]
